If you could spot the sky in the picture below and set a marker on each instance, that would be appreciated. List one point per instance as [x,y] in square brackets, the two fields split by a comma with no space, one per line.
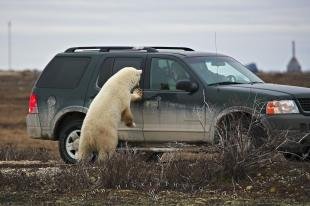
[259,31]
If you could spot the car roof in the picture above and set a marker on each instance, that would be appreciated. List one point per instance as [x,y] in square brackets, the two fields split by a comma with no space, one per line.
[192,53]
[125,50]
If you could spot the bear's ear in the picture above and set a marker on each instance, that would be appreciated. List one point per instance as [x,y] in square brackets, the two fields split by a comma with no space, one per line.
[139,71]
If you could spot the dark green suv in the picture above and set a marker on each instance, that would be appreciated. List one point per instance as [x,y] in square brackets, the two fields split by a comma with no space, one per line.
[187,95]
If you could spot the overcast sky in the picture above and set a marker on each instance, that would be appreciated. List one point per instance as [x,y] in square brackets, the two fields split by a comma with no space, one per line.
[258,31]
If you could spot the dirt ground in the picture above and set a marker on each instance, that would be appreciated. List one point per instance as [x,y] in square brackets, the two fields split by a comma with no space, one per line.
[15,88]
[282,183]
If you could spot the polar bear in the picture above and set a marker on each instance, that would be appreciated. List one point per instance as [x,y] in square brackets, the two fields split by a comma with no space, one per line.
[109,107]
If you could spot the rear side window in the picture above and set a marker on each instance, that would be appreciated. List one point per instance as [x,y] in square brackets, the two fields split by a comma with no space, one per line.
[112,65]
[63,72]
[105,71]
[122,62]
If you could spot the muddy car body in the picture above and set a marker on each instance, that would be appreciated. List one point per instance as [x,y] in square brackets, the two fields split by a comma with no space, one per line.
[185,96]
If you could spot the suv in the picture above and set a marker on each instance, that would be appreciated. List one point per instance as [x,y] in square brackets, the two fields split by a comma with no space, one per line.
[187,96]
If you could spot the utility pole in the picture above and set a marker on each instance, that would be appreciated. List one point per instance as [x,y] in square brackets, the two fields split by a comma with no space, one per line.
[9,45]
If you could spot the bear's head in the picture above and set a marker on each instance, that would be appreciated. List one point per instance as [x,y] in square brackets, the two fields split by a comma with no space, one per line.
[130,76]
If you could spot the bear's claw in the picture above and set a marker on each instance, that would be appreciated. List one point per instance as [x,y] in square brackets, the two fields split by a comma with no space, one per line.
[138,93]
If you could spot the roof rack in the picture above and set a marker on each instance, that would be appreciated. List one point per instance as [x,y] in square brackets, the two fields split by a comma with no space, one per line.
[111,48]
[173,48]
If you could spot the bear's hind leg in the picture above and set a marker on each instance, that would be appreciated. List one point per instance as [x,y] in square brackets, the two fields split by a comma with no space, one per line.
[107,143]
[84,154]
[127,118]
[102,156]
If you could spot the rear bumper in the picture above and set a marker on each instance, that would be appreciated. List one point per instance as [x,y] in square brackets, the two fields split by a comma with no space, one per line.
[33,126]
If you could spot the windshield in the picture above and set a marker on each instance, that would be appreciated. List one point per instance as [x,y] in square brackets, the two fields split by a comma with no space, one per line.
[222,70]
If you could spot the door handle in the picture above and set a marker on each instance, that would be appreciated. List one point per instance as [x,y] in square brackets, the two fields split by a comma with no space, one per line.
[158,99]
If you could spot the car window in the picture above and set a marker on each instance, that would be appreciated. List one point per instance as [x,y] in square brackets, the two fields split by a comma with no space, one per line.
[165,73]
[112,65]
[105,71]
[63,72]
[122,62]
[221,69]
[226,70]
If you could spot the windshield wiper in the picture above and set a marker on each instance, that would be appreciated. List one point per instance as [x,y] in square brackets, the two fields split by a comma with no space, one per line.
[224,83]
[255,82]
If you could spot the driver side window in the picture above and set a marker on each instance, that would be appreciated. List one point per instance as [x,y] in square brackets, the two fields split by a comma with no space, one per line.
[165,73]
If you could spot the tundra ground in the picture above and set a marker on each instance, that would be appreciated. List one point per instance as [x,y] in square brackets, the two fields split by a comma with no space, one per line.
[31,171]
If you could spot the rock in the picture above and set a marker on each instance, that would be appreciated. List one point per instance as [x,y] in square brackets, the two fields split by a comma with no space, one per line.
[248,188]
[273,189]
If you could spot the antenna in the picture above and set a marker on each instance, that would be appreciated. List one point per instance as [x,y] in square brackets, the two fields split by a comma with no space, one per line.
[215,42]
[9,45]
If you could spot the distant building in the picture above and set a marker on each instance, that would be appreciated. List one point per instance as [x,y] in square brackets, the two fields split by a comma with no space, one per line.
[252,67]
[293,65]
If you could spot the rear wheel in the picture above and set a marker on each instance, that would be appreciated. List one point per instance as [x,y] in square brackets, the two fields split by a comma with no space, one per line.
[68,141]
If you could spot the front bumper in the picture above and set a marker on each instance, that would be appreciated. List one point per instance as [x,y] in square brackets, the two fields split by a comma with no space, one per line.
[291,122]
[295,128]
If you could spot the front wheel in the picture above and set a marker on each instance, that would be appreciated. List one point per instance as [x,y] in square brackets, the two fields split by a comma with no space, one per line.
[68,141]
[240,133]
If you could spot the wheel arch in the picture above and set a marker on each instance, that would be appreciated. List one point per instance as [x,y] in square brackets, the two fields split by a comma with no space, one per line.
[66,115]
[233,110]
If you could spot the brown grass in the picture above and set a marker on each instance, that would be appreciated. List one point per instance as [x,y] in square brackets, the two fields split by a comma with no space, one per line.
[15,88]
[295,79]
[210,175]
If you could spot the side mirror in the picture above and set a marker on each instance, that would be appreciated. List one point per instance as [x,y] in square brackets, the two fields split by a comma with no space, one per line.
[186,85]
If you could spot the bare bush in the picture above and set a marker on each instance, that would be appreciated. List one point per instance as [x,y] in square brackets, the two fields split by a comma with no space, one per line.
[11,152]
[244,144]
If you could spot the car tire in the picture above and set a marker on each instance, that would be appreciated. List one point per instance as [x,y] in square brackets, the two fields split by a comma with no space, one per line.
[291,157]
[152,156]
[255,133]
[301,156]
[307,151]
[69,133]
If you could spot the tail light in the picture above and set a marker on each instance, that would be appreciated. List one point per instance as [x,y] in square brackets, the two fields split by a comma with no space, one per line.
[33,103]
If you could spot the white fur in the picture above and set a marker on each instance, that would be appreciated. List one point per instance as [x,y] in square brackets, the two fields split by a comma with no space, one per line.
[99,129]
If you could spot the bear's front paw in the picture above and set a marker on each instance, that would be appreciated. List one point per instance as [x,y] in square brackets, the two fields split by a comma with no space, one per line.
[131,124]
[138,93]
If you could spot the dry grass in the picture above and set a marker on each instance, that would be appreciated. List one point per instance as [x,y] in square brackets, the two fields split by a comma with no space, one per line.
[128,172]
[298,79]
[15,88]
[223,173]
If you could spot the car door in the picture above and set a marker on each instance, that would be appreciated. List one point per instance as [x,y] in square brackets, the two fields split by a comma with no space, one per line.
[171,115]
[109,66]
